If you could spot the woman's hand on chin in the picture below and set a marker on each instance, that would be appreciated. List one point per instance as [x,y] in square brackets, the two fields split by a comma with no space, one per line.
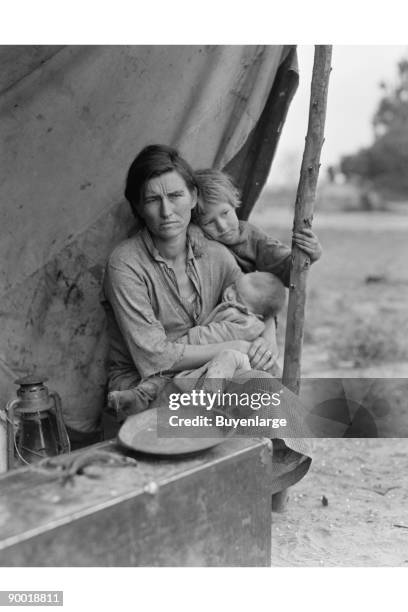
[260,355]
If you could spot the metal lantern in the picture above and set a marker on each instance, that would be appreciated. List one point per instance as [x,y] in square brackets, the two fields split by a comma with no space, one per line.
[35,427]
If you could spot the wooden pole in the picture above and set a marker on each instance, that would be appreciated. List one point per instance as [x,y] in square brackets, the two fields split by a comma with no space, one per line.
[305,198]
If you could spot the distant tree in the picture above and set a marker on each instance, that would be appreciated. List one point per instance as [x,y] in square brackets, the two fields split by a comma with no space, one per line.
[385,163]
[392,112]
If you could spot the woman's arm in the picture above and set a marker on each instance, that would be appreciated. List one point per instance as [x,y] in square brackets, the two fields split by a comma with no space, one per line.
[224,271]
[144,335]
[145,338]
[269,335]
[195,355]
[224,324]
[263,351]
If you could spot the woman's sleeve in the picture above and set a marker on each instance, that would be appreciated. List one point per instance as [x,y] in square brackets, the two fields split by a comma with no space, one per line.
[142,332]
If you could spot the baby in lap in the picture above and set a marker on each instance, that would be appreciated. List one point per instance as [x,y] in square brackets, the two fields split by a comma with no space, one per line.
[253,298]
[245,305]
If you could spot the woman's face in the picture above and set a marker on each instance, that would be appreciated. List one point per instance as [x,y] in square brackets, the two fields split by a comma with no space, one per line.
[220,222]
[166,205]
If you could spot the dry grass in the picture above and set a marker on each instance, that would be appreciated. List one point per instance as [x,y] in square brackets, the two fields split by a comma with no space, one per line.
[366,343]
[356,311]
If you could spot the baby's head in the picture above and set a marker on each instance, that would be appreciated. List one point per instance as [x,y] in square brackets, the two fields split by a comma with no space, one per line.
[261,292]
[218,200]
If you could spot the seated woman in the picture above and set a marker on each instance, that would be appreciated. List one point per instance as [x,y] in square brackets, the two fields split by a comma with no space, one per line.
[166,280]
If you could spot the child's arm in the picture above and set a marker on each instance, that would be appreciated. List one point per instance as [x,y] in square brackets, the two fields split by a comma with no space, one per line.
[267,254]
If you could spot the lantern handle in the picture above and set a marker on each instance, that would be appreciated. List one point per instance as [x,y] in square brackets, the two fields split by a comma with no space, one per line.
[10,431]
[62,432]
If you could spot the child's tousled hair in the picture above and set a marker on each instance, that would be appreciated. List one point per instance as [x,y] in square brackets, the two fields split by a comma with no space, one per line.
[214,187]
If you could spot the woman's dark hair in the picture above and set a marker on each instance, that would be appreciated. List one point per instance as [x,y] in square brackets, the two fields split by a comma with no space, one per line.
[152,161]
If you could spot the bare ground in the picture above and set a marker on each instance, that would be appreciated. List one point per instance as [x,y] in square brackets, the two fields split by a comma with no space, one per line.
[366,520]
[356,325]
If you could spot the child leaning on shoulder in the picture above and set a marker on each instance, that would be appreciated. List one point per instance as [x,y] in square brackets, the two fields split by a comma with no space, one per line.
[216,214]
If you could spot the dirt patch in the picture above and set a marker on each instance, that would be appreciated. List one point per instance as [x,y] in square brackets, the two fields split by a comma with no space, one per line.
[356,326]
[365,521]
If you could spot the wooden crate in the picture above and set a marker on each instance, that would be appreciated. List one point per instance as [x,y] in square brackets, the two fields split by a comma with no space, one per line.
[211,509]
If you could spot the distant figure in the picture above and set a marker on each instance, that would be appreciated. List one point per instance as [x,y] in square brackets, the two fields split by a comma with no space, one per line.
[370,199]
[331,174]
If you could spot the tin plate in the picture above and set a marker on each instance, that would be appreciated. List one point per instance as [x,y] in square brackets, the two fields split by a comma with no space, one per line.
[140,433]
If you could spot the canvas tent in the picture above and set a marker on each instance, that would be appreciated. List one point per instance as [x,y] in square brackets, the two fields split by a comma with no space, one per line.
[72,119]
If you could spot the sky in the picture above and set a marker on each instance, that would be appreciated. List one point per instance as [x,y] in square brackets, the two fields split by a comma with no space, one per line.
[353,97]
